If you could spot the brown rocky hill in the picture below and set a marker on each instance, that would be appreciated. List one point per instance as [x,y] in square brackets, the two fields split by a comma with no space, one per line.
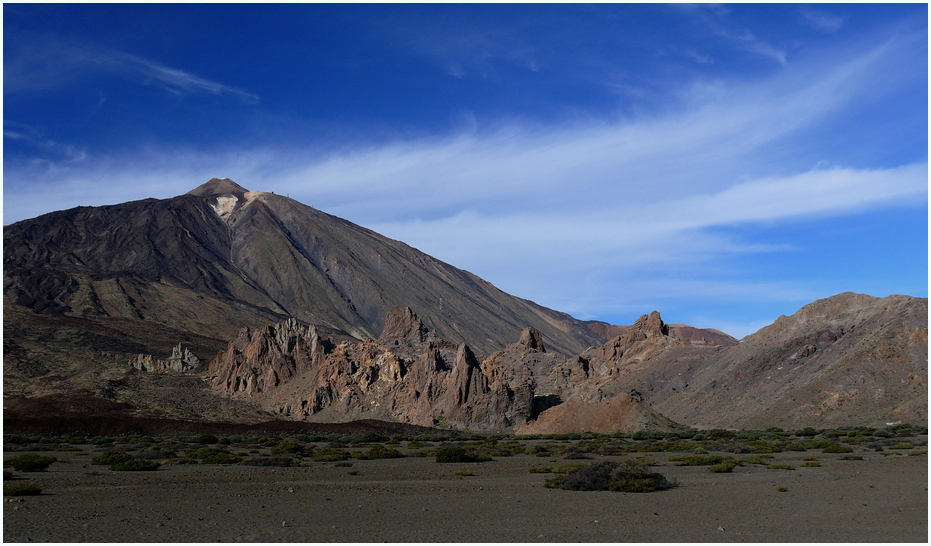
[221,257]
[850,359]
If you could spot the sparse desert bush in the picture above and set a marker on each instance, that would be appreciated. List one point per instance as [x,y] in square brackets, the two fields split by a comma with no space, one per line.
[810,464]
[762,446]
[612,476]
[207,439]
[918,452]
[780,467]
[379,451]
[290,446]
[672,446]
[827,446]
[134,465]
[853,457]
[540,469]
[29,462]
[222,458]
[268,461]
[458,454]
[724,466]
[330,454]
[700,460]
[757,459]
[344,464]
[465,473]
[181,460]
[566,468]
[21,490]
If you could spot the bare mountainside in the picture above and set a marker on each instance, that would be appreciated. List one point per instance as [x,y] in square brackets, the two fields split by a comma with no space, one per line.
[850,359]
[222,257]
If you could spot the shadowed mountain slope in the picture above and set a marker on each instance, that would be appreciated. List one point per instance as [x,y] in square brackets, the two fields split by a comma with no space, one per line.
[222,257]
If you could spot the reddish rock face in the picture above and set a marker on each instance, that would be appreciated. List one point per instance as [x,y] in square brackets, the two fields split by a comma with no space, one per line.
[405,376]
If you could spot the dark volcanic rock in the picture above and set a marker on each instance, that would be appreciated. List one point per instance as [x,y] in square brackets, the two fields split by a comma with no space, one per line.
[222,257]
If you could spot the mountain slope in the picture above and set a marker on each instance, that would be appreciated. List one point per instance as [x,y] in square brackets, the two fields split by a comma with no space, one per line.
[222,257]
[850,359]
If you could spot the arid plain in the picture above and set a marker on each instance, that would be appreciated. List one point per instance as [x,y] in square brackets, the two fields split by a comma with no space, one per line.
[860,496]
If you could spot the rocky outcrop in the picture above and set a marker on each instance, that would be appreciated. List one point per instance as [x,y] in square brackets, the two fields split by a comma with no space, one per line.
[260,360]
[406,375]
[402,324]
[181,360]
[622,413]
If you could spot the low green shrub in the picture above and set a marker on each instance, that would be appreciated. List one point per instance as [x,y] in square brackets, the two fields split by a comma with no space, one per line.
[757,459]
[222,458]
[290,446]
[612,476]
[700,460]
[379,451]
[268,461]
[330,454]
[458,454]
[780,467]
[569,467]
[181,460]
[29,462]
[344,464]
[134,465]
[810,464]
[540,469]
[724,466]
[21,490]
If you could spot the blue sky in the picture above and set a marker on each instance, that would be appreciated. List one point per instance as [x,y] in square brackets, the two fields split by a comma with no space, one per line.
[721,164]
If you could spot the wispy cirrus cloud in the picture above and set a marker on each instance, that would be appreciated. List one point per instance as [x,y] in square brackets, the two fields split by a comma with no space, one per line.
[33,137]
[45,62]
[821,20]
[715,19]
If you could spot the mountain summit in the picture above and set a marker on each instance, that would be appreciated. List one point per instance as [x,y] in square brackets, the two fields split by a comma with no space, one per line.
[221,257]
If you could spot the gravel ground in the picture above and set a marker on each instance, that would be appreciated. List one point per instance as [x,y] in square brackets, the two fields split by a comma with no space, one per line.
[415,499]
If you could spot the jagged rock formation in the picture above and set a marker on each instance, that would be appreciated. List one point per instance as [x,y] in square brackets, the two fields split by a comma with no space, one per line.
[181,360]
[405,376]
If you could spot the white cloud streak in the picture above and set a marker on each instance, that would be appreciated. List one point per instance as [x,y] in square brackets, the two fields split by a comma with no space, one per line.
[43,62]
[821,21]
